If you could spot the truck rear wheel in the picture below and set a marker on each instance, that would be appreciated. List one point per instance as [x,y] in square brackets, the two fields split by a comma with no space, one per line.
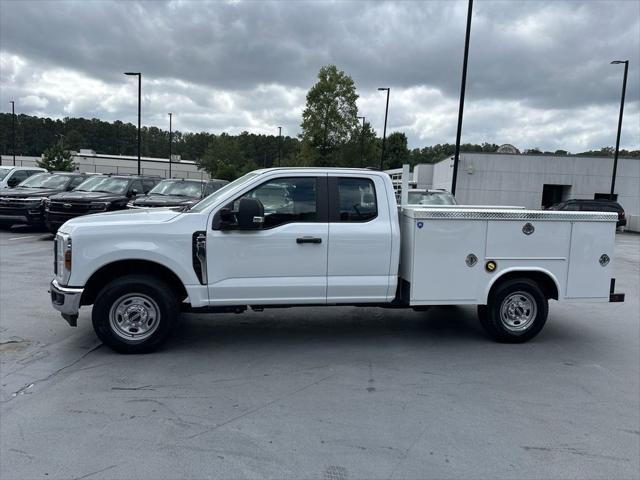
[135,313]
[516,311]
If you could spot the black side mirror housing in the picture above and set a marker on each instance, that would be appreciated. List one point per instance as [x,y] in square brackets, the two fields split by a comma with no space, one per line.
[224,219]
[13,182]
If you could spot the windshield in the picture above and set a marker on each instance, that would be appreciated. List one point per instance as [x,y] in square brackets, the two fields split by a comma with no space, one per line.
[103,184]
[45,180]
[431,198]
[4,171]
[204,203]
[181,188]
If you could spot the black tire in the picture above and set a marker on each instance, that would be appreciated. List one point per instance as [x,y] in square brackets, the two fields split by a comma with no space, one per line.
[150,302]
[530,308]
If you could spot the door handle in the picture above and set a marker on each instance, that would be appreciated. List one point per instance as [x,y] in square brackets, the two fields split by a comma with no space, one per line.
[300,240]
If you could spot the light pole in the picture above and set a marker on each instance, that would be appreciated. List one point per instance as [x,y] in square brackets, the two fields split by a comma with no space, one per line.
[139,75]
[362,143]
[615,157]
[170,141]
[13,130]
[279,146]
[384,132]
[463,87]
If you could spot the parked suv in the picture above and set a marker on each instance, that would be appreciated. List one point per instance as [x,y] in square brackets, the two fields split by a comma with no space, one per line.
[430,197]
[102,193]
[593,206]
[11,176]
[24,204]
[178,193]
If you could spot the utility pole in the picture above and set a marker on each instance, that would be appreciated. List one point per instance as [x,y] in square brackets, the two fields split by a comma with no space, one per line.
[139,75]
[13,130]
[279,146]
[615,158]
[463,86]
[362,142]
[170,142]
[384,132]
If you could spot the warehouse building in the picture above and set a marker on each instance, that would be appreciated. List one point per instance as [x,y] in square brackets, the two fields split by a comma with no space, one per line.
[535,181]
[89,161]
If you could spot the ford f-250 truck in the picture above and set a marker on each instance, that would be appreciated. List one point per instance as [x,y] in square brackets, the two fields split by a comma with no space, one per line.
[309,236]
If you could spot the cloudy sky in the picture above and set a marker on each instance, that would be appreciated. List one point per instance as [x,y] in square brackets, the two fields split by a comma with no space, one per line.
[539,72]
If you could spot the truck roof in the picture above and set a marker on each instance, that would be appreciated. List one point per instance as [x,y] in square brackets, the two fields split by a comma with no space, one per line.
[323,170]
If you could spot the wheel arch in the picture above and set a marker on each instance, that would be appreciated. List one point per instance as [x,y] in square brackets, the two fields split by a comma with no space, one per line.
[120,268]
[547,281]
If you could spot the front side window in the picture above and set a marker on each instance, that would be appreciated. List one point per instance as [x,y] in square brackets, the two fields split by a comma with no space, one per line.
[285,200]
[75,181]
[356,200]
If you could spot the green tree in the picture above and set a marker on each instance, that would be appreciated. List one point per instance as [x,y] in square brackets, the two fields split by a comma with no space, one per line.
[224,159]
[396,151]
[329,118]
[57,158]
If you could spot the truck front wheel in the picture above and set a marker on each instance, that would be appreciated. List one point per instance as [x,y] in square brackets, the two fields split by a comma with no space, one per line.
[516,311]
[134,313]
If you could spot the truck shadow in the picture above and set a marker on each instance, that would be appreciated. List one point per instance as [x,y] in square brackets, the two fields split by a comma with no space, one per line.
[330,325]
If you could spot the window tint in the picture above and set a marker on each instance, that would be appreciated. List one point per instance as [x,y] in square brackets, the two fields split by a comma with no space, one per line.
[75,181]
[285,200]
[19,176]
[136,185]
[356,200]
[148,184]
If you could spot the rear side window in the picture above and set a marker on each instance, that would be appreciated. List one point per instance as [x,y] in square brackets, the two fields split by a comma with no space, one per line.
[356,200]
[136,185]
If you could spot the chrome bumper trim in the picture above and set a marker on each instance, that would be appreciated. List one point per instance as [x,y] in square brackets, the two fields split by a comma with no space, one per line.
[66,300]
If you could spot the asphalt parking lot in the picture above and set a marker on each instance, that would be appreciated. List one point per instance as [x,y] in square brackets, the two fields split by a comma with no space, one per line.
[336,393]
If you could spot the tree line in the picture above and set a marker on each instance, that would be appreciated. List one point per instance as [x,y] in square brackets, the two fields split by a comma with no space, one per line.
[332,135]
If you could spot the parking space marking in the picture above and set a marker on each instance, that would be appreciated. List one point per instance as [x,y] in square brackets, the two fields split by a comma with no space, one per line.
[21,238]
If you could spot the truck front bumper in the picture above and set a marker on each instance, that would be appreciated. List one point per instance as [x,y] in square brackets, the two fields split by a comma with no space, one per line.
[67,301]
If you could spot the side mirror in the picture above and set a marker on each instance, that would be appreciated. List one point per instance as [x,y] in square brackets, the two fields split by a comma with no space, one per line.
[12,182]
[250,214]
[134,192]
[224,219]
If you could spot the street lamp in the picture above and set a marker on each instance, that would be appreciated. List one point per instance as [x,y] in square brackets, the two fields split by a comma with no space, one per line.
[361,142]
[279,146]
[615,157]
[13,130]
[170,141]
[463,86]
[139,75]
[384,132]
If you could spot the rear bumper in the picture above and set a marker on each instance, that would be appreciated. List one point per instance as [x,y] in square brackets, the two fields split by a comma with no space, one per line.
[66,300]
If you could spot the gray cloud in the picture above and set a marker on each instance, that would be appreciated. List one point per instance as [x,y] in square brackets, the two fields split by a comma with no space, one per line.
[246,65]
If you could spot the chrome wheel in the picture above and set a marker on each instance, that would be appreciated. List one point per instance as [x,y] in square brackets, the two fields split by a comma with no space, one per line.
[134,317]
[518,311]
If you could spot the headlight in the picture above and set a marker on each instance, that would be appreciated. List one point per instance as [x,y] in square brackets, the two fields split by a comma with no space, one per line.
[63,257]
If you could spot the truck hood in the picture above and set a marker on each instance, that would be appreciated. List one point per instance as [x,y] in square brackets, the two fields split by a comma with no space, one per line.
[28,192]
[124,218]
[153,200]
[85,197]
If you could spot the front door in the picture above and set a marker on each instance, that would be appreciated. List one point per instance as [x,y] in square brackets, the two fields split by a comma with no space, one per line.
[283,262]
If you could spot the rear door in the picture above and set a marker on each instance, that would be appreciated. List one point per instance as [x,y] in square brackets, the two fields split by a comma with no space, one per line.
[284,262]
[360,240]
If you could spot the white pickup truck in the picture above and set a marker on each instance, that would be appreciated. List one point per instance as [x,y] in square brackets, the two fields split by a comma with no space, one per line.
[308,236]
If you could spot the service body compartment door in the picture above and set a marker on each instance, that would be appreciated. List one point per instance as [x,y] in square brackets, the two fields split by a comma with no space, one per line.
[587,278]
[440,271]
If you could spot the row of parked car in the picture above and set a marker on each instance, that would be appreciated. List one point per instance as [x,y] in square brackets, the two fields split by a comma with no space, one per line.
[51,198]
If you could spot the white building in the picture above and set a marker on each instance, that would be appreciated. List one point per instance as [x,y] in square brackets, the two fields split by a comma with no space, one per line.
[535,181]
[89,161]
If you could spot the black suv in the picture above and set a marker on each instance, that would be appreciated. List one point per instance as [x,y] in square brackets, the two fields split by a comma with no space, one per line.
[593,206]
[178,193]
[102,193]
[24,203]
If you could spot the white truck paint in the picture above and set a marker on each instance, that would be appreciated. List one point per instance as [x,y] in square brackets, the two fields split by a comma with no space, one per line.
[341,240]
